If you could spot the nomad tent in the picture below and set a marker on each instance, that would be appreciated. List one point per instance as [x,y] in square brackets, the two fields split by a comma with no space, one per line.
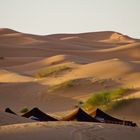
[80,115]
[105,118]
[8,110]
[37,114]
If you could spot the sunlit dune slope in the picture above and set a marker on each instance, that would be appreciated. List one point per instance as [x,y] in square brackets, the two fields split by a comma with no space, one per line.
[54,72]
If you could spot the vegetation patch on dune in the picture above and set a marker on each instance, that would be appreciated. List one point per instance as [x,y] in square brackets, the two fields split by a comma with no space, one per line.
[51,70]
[61,86]
[24,110]
[104,98]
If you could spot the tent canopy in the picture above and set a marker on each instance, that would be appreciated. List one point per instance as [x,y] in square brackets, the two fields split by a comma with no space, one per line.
[8,110]
[80,115]
[41,116]
[106,118]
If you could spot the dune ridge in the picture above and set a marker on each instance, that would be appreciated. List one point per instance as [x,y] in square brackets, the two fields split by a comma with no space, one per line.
[93,61]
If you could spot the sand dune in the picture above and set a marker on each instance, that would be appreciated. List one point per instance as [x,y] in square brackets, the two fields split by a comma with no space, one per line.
[108,69]
[68,131]
[15,61]
[17,38]
[4,31]
[9,77]
[116,37]
[8,119]
[50,61]
[96,61]
[129,111]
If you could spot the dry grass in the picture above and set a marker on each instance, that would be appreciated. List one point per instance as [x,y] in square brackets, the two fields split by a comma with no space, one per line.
[62,86]
[51,70]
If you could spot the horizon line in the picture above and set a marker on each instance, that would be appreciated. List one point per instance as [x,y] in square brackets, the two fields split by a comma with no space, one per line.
[66,33]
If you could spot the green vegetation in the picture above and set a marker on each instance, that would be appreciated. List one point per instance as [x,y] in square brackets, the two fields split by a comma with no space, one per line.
[24,110]
[64,85]
[103,98]
[99,98]
[51,70]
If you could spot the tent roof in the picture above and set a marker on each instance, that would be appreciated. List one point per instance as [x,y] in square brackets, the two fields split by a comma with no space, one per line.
[106,118]
[8,110]
[80,115]
[101,114]
[35,112]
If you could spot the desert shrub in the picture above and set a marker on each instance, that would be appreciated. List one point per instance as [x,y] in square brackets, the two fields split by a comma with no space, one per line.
[51,70]
[24,110]
[99,98]
[105,97]
[114,94]
[64,85]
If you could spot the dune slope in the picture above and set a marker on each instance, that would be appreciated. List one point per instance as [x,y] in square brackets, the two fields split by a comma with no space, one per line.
[91,62]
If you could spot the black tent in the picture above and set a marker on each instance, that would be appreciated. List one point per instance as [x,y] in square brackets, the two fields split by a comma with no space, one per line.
[8,110]
[103,117]
[80,115]
[37,114]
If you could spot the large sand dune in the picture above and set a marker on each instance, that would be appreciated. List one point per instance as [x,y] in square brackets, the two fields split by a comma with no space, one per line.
[76,65]
[68,131]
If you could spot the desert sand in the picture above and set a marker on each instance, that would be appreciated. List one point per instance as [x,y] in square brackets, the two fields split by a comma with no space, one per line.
[89,61]
[68,131]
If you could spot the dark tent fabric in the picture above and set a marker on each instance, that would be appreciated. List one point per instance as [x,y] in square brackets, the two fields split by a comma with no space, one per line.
[103,117]
[80,115]
[39,115]
[8,110]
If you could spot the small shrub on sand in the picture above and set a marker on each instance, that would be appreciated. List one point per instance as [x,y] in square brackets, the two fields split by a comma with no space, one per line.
[99,98]
[24,110]
[61,86]
[51,70]
[103,98]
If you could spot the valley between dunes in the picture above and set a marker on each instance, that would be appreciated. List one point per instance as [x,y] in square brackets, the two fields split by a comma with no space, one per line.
[55,72]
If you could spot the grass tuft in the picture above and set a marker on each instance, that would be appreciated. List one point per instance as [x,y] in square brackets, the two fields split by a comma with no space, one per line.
[103,98]
[51,70]
[62,86]
[24,110]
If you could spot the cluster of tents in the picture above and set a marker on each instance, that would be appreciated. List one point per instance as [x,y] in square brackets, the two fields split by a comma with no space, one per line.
[78,115]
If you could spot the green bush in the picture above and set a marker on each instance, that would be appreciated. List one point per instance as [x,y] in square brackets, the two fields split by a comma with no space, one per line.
[24,110]
[100,98]
[105,97]
[117,92]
